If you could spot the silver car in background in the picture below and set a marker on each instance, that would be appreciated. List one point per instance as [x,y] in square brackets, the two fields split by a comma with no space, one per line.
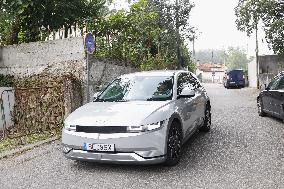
[143,117]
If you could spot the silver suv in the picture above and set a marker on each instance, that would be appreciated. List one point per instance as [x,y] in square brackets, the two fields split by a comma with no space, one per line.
[142,117]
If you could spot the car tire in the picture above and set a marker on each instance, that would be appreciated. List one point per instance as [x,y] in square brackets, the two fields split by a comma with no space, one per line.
[260,108]
[174,144]
[207,120]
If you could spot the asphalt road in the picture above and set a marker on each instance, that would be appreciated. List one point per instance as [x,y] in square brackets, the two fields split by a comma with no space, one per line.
[242,150]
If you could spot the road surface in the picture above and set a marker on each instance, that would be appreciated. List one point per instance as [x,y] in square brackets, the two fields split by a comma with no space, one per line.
[242,150]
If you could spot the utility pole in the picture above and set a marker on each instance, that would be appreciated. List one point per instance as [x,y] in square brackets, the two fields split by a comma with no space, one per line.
[256,55]
[177,35]
[193,48]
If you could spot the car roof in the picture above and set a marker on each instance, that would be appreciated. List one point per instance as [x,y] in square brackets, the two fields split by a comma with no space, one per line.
[155,73]
[235,70]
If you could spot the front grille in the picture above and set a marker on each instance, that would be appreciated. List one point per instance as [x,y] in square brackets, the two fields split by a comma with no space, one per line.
[101,129]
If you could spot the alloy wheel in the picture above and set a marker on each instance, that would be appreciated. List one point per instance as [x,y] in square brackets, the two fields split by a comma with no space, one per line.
[259,108]
[174,144]
[207,120]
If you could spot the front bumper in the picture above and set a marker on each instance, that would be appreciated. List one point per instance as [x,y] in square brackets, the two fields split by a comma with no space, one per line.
[141,148]
[119,158]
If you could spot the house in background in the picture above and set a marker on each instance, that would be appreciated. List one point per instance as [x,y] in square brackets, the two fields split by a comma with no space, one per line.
[211,73]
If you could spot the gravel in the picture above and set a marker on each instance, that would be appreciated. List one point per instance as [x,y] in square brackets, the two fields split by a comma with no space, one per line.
[242,150]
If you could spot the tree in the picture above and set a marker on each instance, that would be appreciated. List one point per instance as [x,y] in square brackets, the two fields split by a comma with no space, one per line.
[174,18]
[22,20]
[236,58]
[271,12]
[145,36]
[210,56]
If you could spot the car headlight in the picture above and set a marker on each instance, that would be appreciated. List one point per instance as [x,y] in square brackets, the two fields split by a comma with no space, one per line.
[144,128]
[70,127]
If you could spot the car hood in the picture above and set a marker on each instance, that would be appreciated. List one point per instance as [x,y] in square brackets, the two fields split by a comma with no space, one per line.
[115,113]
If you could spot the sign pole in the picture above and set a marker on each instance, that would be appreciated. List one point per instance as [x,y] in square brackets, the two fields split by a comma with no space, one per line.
[87,91]
[90,48]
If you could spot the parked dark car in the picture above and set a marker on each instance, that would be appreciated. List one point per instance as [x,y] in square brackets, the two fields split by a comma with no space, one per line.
[234,78]
[271,100]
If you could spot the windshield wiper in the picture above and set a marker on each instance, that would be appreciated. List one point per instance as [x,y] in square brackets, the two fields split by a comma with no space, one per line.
[99,100]
[121,100]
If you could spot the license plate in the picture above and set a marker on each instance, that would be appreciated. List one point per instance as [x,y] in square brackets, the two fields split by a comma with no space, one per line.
[99,147]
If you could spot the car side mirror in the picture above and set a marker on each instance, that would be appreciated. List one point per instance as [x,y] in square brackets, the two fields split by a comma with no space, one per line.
[187,93]
[266,87]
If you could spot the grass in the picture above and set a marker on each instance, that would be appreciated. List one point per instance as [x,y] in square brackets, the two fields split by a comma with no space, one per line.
[9,144]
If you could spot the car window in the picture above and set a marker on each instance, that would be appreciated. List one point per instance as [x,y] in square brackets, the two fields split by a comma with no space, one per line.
[280,85]
[138,88]
[186,80]
[273,84]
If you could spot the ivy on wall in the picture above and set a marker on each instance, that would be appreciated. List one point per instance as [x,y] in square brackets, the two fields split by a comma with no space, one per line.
[6,81]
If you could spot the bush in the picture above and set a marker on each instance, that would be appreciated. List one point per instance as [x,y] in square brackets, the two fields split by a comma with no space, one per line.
[6,81]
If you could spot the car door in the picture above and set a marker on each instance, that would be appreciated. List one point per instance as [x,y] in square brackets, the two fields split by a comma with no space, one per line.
[200,99]
[187,106]
[277,96]
[267,100]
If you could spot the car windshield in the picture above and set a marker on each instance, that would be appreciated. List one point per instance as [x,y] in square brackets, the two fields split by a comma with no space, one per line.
[138,88]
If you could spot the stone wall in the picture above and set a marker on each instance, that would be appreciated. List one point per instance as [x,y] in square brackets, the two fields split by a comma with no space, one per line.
[33,58]
[104,71]
[57,58]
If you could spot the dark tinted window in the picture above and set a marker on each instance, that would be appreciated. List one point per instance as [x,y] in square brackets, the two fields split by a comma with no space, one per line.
[236,74]
[274,84]
[280,84]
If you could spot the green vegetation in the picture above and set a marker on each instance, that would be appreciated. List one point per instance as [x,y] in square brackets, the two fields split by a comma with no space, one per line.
[8,144]
[6,81]
[250,13]
[236,58]
[233,57]
[28,21]
[150,35]
[147,35]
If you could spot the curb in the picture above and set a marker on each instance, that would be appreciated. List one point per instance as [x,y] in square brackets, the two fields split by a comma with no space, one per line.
[26,148]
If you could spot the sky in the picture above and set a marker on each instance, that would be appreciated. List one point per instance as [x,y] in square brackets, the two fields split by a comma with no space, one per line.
[215,20]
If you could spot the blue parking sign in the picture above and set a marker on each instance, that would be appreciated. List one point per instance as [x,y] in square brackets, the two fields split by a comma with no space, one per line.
[89,43]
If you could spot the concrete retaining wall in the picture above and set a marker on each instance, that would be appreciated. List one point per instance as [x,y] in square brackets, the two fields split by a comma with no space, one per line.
[33,58]
[59,57]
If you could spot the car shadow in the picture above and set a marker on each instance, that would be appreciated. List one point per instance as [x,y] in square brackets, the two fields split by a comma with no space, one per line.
[188,156]
[275,119]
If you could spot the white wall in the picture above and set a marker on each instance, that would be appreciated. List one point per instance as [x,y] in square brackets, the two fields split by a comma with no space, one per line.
[252,74]
[7,97]
[208,78]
